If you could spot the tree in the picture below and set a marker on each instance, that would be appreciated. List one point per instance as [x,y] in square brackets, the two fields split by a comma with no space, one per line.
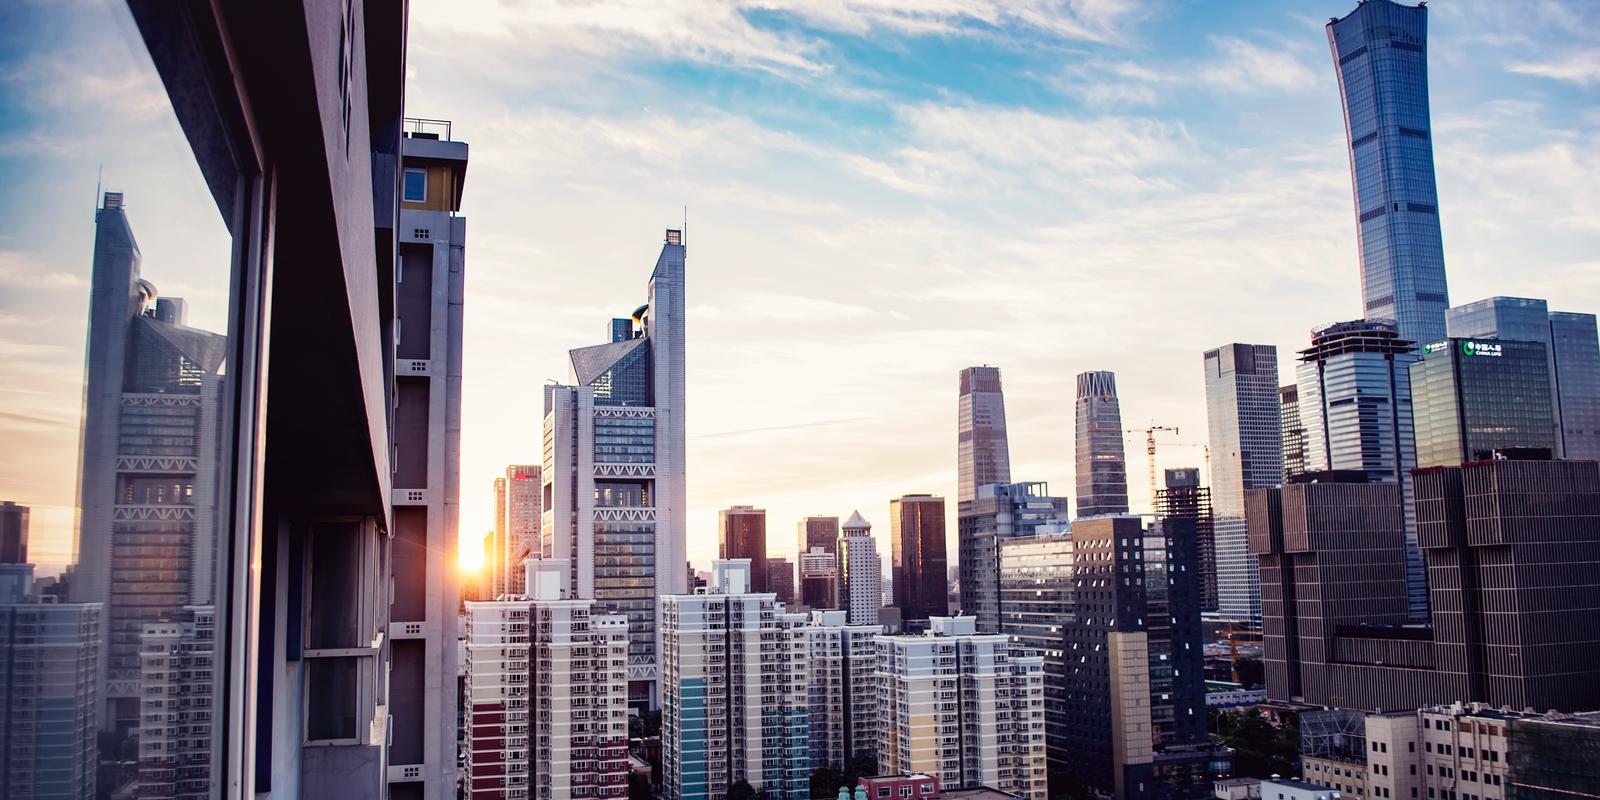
[825,783]
[1252,673]
[859,766]
[742,790]
[1261,749]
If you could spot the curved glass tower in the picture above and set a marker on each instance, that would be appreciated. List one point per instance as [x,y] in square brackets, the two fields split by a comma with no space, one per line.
[1380,50]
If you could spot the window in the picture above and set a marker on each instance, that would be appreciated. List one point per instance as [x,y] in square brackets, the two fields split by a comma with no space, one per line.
[415,188]
[340,625]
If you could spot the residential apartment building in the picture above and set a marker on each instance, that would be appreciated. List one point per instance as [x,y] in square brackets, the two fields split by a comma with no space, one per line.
[178,659]
[842,665]
[963,707]
[49,656]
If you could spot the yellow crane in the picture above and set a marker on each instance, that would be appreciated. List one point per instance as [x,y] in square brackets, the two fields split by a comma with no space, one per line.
[1150,453]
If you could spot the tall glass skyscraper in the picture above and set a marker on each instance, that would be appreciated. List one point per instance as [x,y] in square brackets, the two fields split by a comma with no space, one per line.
[1476,396]
[1102,470]
[1572,352]
[1246,440]
[1380,51]
[982,454]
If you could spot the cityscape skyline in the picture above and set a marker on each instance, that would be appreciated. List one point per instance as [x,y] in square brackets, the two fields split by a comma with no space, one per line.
[1474,104]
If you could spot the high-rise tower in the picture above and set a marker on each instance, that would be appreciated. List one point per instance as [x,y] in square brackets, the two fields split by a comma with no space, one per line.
[921,588]
[1102,470]
[518,509]
[860,572]
[1380,55]
[982,454]
[614,467]
[1246,440]
[742,533]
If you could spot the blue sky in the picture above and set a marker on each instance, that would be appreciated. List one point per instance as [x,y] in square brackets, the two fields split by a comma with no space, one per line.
[878,195]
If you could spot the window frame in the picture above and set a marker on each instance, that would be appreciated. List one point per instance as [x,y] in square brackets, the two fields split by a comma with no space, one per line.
[405,185]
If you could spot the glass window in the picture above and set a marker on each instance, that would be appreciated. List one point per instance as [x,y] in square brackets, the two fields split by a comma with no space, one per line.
[415,188]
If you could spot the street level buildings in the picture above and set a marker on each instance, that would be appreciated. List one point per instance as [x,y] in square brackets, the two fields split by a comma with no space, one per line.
[518,510]
[916,524]
[983,455]
[546,694]
[963,707]
[1381,59]
[614,466]
[1246,452]
[735,695]
[1101,467]
[860,572]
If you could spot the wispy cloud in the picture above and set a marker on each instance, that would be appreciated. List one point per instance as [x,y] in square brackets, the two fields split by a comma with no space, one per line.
[1582,68]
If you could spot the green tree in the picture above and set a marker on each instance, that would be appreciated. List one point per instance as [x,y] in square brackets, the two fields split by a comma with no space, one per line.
[1252,673]
[1260,748]
[825,783]
[859,766]
[742,790]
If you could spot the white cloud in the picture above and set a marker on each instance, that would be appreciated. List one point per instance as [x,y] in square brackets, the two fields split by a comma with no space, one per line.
[1582,68]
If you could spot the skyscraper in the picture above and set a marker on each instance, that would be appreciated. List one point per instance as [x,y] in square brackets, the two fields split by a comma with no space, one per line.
[1380,55]
[1101,469]
[1356,411]
[735,692]
[430,290]
[1474,397]
[1246,441]
[960,706]
[518,509]
[818,531]
[1036,601]
[13,533]
[916,525]
[179,656]
[1294,432]
[1571,349]
[1185,498]
[780,579]
[819,579]
[617,433]
[982,454]
[148,487]
[860,572]
[742,533]
[999,511]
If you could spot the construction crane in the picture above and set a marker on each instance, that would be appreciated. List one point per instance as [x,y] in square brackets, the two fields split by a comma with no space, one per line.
[1150,453]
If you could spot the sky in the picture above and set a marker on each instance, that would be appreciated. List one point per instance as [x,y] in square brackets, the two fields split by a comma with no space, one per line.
[877,194]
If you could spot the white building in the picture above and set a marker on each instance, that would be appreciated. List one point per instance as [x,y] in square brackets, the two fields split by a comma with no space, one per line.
[963,707]
[547,689]
[177,660]
[1291,789]
[860,572]
[614,467]
[734,700]
[842,661]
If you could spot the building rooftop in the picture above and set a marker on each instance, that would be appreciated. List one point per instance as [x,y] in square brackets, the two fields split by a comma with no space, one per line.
[978,793]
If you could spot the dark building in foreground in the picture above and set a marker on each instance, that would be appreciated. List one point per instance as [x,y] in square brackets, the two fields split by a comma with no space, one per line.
[13,533]
[1513,554]
[916,526]
[1185,498]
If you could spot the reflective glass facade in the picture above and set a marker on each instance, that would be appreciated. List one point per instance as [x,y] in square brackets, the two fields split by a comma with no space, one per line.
[1036,590]
[1000,512]
[1380,55]
[982,453]
[625,575]
[1101,469]
[1246,440]
[1475,396]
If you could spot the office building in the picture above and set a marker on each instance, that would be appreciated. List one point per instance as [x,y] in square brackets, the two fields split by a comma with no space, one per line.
[742,533]
[1036,604]
[49,656]
[1246,452]
[1380,56]
[982,454]
[518,509]
[1185,498]
[1474,397]
[148,483]
[860,572]
[735,698]
[842,664]
[1333,750]
[818,531]
[546,694]
[819,579]
[1356,410]
[1101,469]
[175,721]
[780,578]
[616,435]
[1572,352]
[1134,684]
[999,511]
[1294,431]
[916,526]
[1491,531]
[963,707]
[13,533]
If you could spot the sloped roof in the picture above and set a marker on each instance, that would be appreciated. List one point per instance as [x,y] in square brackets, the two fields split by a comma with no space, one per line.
[204,348]
[856,521]
[589,363]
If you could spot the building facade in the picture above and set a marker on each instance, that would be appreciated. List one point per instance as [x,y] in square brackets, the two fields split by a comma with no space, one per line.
[49,654]
[13,533]
[1036,606]
[518,511]
[1356,409]
[742,533]
[819,579]
[1185,498]
[860,572]
[999,511]
[818,531]
[916,525]
[963,707]
[1572,352]
[546,695]
[735,695]
[1101,467]
[1294,431]
[983,455]
[781,580]
[1380,56]
[175,721]
[614,466]
[1474,397]
[1246,441]
[842,664]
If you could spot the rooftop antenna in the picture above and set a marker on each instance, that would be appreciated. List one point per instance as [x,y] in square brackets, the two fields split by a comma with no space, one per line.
[99,175]
[685,224]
